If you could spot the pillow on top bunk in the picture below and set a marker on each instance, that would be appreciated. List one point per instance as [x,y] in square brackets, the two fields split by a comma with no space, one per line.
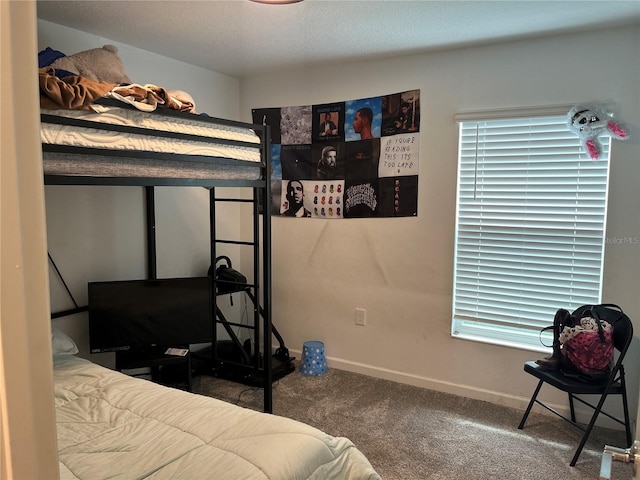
[61,343]
[98,64]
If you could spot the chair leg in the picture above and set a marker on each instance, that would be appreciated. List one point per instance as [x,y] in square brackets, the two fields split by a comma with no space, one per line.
[572,408]
[625,407]
[587,431]
[528,410]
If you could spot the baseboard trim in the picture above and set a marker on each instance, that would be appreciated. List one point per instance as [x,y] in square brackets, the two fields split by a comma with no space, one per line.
[431,384]
[498,398]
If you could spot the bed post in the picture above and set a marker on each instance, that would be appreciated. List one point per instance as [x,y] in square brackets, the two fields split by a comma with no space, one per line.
[151,233]
[266,268]
[212,262]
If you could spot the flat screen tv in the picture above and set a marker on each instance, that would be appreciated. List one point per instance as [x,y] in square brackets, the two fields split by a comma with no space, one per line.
[144,314]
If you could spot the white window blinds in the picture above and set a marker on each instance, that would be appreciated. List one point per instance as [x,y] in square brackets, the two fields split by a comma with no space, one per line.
[530,228]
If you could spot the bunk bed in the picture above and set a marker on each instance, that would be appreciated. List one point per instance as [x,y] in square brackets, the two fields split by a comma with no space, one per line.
[112,143]
[114,425]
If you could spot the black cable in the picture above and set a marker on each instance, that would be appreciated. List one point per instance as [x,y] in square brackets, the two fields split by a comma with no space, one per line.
[255,389]
[251,389]
[55,267]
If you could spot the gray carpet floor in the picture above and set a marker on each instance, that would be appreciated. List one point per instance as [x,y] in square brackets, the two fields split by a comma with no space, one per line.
[410,433]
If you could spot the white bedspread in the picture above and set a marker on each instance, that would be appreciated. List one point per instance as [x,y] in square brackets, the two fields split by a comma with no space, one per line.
[114,426]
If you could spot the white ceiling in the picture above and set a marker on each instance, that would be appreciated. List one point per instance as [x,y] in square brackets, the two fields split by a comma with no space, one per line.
[242,38]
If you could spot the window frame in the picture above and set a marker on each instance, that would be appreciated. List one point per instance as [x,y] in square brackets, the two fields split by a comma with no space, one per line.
[524,332]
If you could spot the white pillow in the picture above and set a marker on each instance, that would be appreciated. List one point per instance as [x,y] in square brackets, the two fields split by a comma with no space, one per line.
[61,343]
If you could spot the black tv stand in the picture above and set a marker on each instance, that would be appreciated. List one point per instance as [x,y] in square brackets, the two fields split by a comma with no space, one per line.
[170,370]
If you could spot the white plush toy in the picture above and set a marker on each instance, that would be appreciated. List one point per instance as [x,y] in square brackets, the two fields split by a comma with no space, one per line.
[591,121]
[99,64]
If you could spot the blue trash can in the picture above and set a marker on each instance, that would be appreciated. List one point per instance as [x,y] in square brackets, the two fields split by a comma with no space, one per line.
[314,362]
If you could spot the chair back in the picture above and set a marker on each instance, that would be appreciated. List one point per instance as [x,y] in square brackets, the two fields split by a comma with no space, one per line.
[622,333]
[613,314]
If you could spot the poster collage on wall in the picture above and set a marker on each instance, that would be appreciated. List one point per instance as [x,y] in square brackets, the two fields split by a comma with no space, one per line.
[352,159]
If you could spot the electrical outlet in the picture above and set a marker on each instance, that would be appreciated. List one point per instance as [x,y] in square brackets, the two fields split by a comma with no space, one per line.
[361,316]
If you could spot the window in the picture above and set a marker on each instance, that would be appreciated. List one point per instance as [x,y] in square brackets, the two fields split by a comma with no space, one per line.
[530,225]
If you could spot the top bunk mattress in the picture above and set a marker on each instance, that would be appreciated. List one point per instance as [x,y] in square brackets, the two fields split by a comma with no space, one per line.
[115,141]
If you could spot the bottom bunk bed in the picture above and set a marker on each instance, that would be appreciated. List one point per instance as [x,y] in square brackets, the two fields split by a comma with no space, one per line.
[111,425]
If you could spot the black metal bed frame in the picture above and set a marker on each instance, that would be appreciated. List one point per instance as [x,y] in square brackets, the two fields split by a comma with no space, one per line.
[261,199]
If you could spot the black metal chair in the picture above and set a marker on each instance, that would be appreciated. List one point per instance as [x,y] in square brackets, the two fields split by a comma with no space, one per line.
[613,385]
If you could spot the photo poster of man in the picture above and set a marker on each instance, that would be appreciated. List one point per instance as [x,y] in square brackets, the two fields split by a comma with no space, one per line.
[351,159]
[328,123]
